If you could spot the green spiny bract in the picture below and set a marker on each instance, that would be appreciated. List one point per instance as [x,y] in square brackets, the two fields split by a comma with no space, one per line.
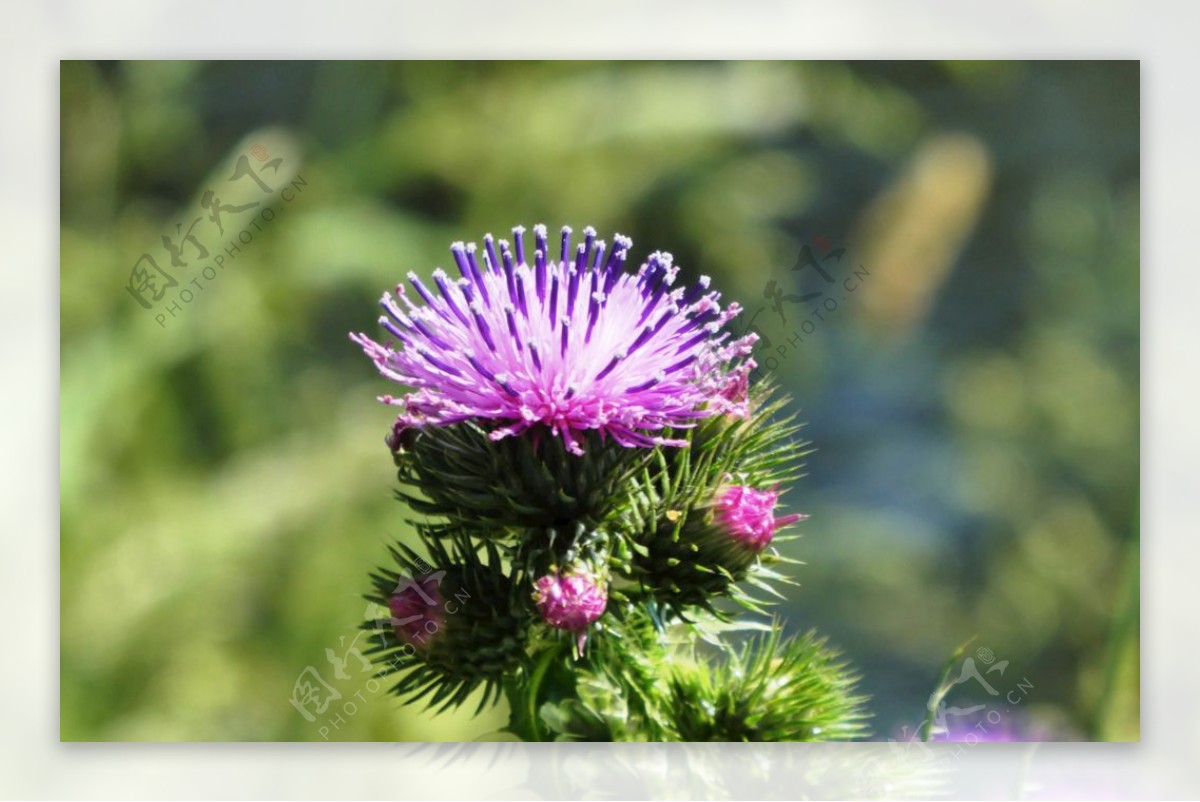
[640,683]
[494,487]
[683,556]
[455,622]
[649,514]
[771,690]
[615,692]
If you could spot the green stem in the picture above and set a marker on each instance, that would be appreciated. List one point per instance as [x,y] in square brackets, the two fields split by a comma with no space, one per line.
[535,684]
[523,699]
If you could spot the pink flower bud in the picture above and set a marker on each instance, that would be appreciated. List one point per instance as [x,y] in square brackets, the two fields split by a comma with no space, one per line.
[571,601]
[748,515]
[416,611]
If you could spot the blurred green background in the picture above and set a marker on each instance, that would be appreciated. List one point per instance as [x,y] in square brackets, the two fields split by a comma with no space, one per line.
[973,400]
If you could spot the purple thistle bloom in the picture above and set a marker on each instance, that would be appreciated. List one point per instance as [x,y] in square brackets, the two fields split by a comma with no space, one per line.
[748,515]
[574,343]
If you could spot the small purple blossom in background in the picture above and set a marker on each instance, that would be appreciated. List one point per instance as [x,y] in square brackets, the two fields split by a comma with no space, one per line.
[748,515]
[993,728]
[574,343]
[571,601]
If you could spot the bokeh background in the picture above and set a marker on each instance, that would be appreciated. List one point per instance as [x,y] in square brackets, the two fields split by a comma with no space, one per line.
[973,400]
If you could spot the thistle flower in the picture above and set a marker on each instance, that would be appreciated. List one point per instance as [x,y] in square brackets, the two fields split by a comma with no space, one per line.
[566,412]
[748,515]
[456,621]
[574,344]
[700,534]
[697,556]
[571,601]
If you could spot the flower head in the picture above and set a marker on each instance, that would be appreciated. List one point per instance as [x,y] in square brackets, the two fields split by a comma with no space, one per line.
[748,515]
[569,601]
[574,343]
